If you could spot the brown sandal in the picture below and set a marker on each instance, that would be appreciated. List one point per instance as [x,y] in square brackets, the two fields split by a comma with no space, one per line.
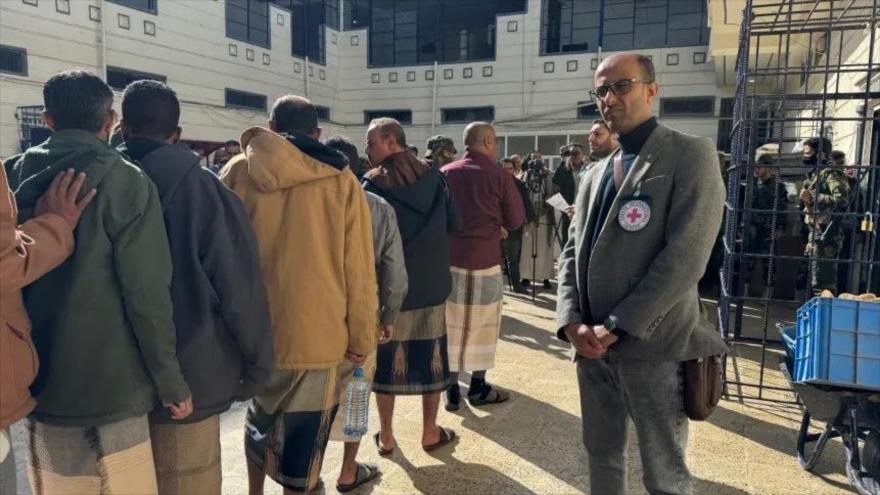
[379,449]
[446,436]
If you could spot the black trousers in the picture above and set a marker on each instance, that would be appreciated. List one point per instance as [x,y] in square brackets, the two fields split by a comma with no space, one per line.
[512,248]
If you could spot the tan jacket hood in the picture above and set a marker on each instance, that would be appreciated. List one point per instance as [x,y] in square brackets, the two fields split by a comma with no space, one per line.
[275,163]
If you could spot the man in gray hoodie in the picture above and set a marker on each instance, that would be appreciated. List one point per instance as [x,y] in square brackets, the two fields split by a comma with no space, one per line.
[392,281]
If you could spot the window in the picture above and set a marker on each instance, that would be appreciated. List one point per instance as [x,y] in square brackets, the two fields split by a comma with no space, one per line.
[142,5]
[402,116]
[248,21]
[407,32]
[323,112]
[549,145]
[587,110]
[585,25]
[468,115]
[243,99]
[700,106]
[13,60]
[725,124]
[120,78]
[308,20]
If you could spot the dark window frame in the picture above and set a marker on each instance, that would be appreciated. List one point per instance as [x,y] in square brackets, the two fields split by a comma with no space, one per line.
[584,114]
[323,113]
[134,75]
[370,115]
[427,34]
[467,119]
[22,52]
[699,8]
[678,99]
[264,98]
[152,6]
[248,39]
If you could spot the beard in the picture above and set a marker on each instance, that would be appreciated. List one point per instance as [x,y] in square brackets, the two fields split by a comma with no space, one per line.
[810,160]
[599,154]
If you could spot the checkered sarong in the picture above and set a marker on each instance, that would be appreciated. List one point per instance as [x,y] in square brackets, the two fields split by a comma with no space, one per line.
[288,426]
[473,318]
[115,458]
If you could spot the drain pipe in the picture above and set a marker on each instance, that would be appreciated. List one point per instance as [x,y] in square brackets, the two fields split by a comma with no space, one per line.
[306,68]
[434,98]
[103,38]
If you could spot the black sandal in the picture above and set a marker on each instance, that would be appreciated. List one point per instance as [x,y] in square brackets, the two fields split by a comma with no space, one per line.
[488,395]
[446,437]
[382,451]
[366,473]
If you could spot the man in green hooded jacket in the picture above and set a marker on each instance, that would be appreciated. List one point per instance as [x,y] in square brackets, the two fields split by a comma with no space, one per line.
[102,321]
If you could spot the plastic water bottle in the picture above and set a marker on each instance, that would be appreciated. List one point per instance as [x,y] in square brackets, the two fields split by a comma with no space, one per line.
[357,405]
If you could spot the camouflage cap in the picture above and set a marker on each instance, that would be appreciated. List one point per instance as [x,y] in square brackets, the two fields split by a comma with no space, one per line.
[437,143]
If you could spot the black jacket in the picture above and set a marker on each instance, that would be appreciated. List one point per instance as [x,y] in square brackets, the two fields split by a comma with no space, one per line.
[524,194]
[224,343]
[425,214]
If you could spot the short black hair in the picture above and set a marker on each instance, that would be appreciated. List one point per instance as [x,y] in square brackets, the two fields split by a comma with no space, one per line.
[413,149]
[602,123]
[293,114]
[838,155]
[507,159]
[77,99]
[349,150]
[150,108]
[231,142]
[820,145]
[647,67]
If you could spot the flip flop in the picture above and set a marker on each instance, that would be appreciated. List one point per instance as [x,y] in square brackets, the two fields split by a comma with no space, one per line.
[489,395]
[446,436]
[382,452]
[366,473]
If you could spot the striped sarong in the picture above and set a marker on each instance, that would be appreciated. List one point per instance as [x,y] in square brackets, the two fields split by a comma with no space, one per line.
[114,458]
[288,426]
[187,456]
[415,361]
[473,318]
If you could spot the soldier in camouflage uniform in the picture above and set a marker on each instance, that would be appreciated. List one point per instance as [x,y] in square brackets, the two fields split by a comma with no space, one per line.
[768,194]
[825,191]
[440,151]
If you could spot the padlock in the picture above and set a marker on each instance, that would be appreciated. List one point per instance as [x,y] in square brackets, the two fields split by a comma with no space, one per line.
[868,223]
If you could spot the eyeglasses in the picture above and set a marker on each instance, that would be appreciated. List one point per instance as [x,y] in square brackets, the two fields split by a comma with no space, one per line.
[619,88]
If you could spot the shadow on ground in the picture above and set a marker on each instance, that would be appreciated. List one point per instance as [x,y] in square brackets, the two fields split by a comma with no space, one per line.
[783,440]
[518,332]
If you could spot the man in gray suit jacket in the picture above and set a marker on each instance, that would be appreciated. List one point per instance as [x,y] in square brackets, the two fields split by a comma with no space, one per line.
[646,219]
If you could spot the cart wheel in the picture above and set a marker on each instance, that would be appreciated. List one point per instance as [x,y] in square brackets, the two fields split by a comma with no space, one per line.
[806,459]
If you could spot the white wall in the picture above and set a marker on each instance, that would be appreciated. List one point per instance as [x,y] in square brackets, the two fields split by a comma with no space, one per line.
[191,50]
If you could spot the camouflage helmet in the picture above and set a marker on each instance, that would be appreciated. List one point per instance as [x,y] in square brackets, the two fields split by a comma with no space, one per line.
[438,143]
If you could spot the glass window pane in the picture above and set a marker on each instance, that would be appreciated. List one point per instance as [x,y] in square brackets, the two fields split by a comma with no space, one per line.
[549,145]
[520,145]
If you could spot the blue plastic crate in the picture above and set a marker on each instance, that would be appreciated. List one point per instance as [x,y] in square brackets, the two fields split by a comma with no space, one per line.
[838,343]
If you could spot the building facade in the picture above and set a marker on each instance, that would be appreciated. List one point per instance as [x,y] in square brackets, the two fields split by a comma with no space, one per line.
[433,64]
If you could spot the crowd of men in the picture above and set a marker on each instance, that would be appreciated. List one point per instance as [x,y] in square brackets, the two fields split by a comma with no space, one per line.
[143,294]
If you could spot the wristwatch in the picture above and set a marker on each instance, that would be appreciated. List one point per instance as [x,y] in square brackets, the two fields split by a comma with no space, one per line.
[610,323]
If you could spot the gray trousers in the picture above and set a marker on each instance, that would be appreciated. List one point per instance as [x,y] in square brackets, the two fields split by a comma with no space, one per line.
[615,389]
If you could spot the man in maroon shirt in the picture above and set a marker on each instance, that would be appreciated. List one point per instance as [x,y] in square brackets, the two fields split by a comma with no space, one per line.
[490,206]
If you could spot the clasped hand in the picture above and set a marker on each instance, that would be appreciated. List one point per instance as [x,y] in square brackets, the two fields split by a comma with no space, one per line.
[590,341]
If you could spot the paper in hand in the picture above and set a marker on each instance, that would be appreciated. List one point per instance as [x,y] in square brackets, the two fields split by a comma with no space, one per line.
[558,202]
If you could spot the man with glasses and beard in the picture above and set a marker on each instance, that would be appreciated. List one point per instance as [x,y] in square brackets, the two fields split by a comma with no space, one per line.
[644,226]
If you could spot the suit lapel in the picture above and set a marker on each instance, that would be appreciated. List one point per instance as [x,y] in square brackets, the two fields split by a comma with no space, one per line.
[596,175]
[647,157]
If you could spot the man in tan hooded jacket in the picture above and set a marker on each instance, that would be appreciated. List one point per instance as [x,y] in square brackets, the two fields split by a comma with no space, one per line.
[28,252]
[313,230]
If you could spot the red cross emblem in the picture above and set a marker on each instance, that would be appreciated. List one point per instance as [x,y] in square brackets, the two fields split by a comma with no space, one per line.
[634,215]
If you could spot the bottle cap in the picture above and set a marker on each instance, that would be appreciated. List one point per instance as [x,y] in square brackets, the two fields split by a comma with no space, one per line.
[358,372]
